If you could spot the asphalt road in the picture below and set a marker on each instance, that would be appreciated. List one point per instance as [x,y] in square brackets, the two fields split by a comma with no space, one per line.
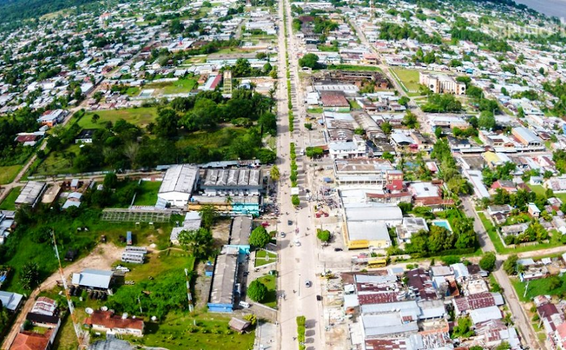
[297,262]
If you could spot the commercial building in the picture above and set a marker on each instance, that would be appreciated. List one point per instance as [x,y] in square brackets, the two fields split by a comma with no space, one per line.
[178,184]
[223,280]
[442,84]
[367,225]
[232,182]
[361,171]
[526,137]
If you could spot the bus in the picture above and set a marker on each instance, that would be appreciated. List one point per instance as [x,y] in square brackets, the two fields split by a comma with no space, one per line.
[376,263]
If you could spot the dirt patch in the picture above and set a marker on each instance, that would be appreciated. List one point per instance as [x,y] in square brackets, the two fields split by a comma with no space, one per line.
[202,287]
[221,232]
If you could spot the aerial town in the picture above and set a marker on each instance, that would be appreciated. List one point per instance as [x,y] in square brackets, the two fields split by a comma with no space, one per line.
[282,175]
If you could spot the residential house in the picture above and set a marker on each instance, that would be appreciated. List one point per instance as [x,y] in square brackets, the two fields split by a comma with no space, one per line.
[107,321]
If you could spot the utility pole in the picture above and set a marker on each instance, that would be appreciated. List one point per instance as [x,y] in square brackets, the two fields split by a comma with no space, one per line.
[189,296]
[78,330]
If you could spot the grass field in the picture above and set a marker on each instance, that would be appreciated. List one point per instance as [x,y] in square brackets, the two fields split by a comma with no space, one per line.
[58,162]
[177,331]
[137,116]
[537,287]
[147,195]
[8,202]
[264,257]
[271,283]
[211,139]
[408,78]
[8,173]
[354,104]
[174,87]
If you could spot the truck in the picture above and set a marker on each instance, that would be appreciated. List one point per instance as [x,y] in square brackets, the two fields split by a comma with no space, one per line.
[129,237]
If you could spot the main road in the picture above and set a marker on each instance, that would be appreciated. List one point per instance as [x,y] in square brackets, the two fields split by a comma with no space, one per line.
[298,262]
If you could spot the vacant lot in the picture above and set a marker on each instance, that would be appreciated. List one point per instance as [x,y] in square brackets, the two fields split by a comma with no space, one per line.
[137,116]
[59,162]
[147,193]
[8,173]
[408,78]
[8,202]
[221,138]
[174,87]
[538,287]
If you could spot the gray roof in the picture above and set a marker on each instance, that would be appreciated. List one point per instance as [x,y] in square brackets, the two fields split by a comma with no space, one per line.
[10,300]
[232,177]
[403,308]
[527,135]
[179,178]
[240,231]
[31,193]
[485,314]
[384,324]
[223,280]
[373,212]
[93,278]
[368,230]
[431,309]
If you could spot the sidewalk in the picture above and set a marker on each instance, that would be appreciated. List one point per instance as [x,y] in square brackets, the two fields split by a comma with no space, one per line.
[266,337]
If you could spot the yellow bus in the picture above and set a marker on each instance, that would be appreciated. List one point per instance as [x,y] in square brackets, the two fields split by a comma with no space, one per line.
[376,263]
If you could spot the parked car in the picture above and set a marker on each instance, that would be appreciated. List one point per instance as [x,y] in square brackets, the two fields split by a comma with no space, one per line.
[282,234]
[289,222]
[338,249]
[318,298]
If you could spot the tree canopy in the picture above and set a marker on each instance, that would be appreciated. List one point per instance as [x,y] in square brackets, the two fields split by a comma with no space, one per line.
[259,237]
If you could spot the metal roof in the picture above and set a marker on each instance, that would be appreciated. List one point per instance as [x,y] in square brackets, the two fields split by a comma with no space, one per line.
[31,193]
[223,279]
[93,278]
[179,178]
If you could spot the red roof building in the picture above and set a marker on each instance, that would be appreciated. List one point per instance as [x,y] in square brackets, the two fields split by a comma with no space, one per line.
[32,341]
[107,321]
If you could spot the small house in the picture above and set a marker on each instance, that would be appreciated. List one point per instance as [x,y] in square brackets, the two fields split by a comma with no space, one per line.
[239,325]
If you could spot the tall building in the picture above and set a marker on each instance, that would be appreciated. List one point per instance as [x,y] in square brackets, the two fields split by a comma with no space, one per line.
[442,83]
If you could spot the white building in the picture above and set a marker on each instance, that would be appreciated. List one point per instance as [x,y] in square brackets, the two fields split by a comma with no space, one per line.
[178,184]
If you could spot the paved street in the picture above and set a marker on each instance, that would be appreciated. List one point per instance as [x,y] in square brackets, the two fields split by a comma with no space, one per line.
[298,264]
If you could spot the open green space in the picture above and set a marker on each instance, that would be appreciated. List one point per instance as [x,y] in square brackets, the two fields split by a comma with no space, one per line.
[35,231]
[59,162]
[147,193]
[133,91]
[8,202]
[408,78]
[217,139]
[174,87]
[178,331]
[271,283]
[538,287]
[8,173]
[315,110]
[538,189]
[137,116]
[263,257]
[354,104]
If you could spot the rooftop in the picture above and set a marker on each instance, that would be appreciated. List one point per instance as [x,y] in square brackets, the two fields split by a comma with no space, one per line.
[93,278]
[223,279]
[179,178]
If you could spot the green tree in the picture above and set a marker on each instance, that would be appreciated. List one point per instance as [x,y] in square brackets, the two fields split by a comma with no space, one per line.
[29,276]
[251,318]
[554,282]
[386,127]
[257,291]
[167,122]
[410,120]
[259,237]
[95,118]
[323,235]
[510,265]
[208,215]
[404,101]
[199,243]
[110,180]
[438,132]
[309,60]
[463,328]
[486,120]
[274,173]
[487,262]
[295,200]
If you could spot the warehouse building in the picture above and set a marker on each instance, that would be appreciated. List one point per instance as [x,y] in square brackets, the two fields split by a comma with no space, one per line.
[178,184]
